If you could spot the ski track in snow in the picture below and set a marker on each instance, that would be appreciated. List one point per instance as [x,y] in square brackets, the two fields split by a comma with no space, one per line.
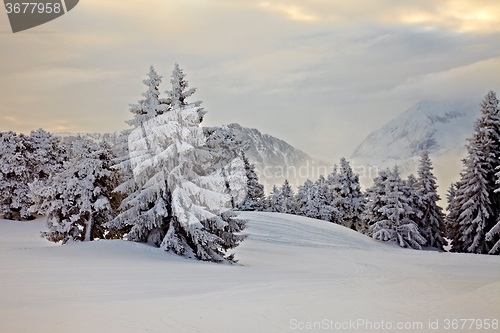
[290,267]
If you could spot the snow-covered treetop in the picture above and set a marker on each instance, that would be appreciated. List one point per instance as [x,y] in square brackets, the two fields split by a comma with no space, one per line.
[150,106]
[177,97]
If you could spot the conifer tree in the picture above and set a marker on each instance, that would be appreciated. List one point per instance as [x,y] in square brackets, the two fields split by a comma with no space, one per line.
[14,173]
[254,200]
[431,223]
[288,203]
[151,106]
[375,202]
[451,223]
[143,210]
[186,181]
[177,97]
[321,201]
[275,201]
[350,197]
[77,199]
[393,220]
[24,159]
[477,203]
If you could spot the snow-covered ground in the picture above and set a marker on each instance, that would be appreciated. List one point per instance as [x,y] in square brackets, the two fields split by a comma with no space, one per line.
[293,272]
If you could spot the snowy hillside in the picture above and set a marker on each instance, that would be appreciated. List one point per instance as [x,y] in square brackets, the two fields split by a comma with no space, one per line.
[441,126]
[293,271]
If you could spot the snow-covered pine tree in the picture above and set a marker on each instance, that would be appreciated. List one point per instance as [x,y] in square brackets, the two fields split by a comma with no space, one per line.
[431,221]
[22,160]
[450,221]
[184,166]
[177,97]
[46,155]
[411,192]
[254,200]
[311,200]
[350,198]
[477,203]
[144,209]
[77,200]
[151,106]
[14,174]
[394,222]
[374,203]
[180,198]
[274,201]
[288,199]
[321,201]
[333,199]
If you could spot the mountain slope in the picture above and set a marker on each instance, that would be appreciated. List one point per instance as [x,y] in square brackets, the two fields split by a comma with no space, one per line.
[275,160]
[292,271]
[440,126]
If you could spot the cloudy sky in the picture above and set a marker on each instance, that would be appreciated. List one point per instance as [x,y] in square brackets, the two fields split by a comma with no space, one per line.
[320,74]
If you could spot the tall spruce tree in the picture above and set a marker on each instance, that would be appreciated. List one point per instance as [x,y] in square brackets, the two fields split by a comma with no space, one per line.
[143,210]
[288,199]
[451,218]
[431,223]
[185,183]
[478,204]
[178,95]
[254,200]
[351,198]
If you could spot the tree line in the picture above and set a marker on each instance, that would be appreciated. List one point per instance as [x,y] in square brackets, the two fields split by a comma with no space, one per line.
[407,210]
[171,183]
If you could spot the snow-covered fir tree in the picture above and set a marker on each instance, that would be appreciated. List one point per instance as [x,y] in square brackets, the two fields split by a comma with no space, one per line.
[274,201]
[288,203]
[478,205]
[350,198]
[24,159]
[375,202]
[77,200]
[392,221]
[410,190]
[254,200]
[227,155]
[322,201]
[451,223]
[151,106]
[431,221]
[185,185]
[140,207]
[46,155]
[311,200]
[14,174]
[177,97]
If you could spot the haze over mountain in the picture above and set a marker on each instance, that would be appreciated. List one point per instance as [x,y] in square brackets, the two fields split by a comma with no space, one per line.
[441,126]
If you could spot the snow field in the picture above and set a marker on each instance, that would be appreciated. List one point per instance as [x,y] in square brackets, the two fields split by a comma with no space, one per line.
[291,269]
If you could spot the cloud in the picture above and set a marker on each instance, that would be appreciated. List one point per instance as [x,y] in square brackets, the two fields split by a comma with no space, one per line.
[461,16]
[311,72]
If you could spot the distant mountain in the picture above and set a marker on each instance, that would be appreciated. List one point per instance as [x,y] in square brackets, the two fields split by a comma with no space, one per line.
[275,160]
[440,126]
